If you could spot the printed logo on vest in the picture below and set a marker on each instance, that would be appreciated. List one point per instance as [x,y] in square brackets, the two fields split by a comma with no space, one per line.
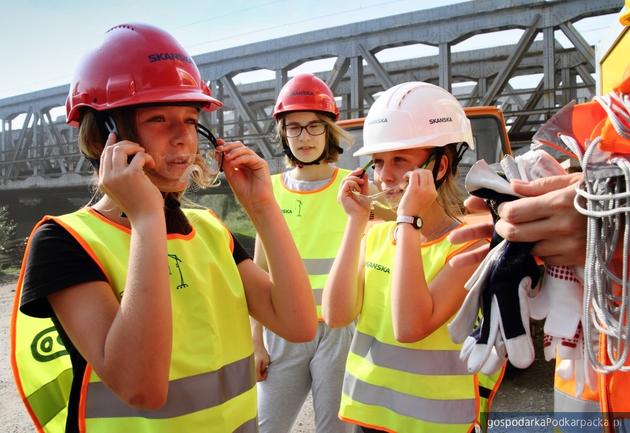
[182,284]
[377,267]
[47,345]
[298,212]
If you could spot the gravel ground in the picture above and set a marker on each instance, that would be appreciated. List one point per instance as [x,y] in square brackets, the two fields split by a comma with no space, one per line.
[527,390]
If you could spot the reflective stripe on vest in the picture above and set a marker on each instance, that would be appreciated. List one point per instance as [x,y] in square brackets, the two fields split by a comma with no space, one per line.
[404,387]
[563,402]
[317,222]
[185,396]
[434,362]
[430,410]
[318,267]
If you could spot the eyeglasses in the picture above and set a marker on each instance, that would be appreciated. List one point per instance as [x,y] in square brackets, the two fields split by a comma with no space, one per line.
[380,198]
[313,128]
[212,157]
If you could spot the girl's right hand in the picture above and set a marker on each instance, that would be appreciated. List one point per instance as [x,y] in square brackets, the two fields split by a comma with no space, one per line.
[121,176]
[355,181]
[261,363]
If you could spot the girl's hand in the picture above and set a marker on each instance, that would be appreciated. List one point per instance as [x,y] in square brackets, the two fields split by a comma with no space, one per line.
[247,173]
[355,182]
[124,181]
[261,363]
[419,194]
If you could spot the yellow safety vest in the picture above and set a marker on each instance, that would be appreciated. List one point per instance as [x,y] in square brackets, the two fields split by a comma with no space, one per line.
[405,387]
[212,383]
[317,222]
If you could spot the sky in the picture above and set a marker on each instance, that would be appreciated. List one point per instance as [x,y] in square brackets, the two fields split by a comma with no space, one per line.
[47,38]
[44,40]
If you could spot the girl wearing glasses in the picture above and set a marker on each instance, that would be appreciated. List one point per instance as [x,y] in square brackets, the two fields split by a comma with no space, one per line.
[133,311]
[305,114]
[403,372]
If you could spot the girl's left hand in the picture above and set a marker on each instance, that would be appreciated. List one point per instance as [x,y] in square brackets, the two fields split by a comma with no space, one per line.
[247,173]
[419,194]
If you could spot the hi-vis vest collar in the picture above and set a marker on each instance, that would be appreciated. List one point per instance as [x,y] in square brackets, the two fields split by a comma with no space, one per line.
[212,382]
[316,221]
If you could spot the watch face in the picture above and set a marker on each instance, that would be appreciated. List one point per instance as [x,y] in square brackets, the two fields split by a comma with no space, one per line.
[417,222]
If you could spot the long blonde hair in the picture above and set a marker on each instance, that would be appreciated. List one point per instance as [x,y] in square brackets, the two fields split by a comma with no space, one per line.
[450,193]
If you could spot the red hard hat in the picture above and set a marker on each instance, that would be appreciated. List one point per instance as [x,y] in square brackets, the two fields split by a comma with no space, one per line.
[306,92]
[136,64]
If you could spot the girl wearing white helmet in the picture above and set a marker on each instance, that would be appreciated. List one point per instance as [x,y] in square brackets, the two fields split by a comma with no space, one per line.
[133,311]
[403,372]
[305,115]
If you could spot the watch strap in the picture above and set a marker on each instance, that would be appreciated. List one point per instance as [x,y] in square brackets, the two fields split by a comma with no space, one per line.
[415,221]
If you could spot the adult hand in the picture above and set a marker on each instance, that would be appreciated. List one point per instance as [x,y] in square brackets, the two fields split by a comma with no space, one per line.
[247,173]
[547,217]
[472,232]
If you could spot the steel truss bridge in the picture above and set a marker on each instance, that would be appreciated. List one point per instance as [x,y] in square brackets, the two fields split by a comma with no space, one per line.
[40,156]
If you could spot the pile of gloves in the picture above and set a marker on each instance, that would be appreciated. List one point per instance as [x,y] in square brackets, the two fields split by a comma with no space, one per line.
[506,289]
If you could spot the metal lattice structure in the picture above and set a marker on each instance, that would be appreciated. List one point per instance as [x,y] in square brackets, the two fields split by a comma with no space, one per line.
[42,152]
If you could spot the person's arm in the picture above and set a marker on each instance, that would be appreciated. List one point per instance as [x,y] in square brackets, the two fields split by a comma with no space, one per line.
[128,344]
[261,356]
[282,299]
[418,309]
[342,298]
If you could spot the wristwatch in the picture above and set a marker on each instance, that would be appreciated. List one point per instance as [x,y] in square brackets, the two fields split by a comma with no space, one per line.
[415,221]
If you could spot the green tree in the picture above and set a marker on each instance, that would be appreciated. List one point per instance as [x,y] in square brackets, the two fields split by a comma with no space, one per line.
[7,233]
[7,228]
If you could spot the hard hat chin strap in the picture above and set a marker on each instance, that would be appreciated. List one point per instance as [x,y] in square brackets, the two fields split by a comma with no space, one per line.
[300,164]
[459,154]
[439,153]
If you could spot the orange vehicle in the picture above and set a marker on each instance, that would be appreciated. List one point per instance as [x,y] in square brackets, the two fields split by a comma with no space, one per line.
[491,142]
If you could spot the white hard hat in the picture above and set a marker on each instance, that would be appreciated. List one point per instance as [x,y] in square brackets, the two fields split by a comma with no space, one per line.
[414,114]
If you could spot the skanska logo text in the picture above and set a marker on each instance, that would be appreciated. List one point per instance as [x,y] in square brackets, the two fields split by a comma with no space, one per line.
[377,267]
[157,57]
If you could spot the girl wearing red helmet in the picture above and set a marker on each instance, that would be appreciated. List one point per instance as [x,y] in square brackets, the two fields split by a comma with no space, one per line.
[133,311]
[305,115]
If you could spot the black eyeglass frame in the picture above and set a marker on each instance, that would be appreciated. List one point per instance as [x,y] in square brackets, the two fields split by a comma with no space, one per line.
[302,128]
[205,132]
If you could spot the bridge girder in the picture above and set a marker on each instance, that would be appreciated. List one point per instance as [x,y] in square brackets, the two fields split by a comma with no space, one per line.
[45,149]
